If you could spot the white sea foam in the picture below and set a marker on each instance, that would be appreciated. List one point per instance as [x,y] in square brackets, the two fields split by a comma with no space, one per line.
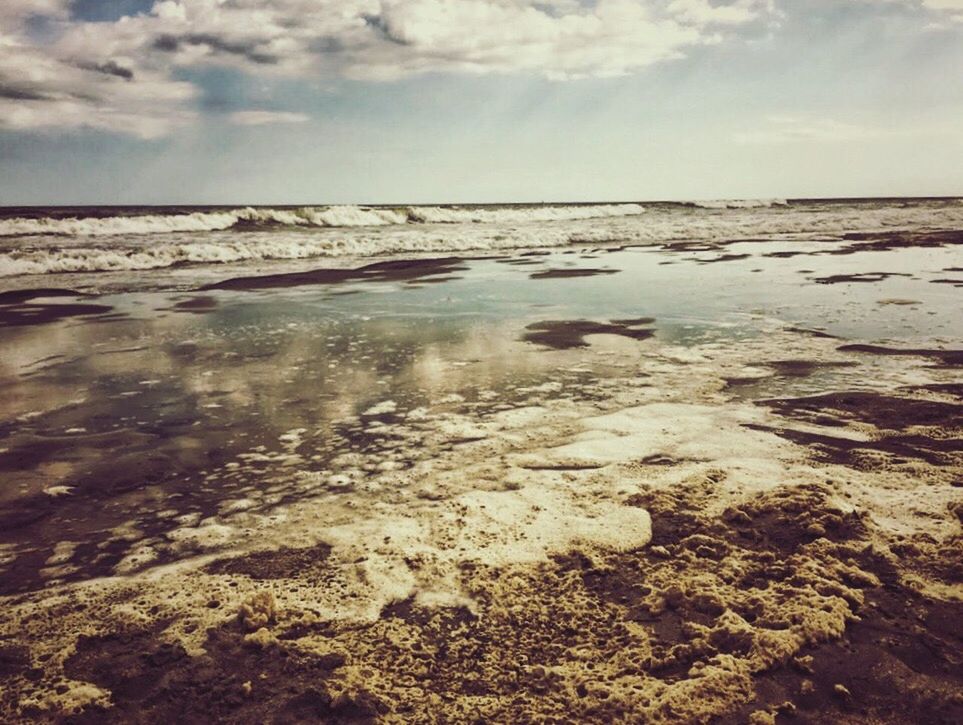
[233,250]
[155,241]
[142,224]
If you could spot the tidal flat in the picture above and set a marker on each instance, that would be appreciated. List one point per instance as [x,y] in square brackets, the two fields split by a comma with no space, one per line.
[680,482]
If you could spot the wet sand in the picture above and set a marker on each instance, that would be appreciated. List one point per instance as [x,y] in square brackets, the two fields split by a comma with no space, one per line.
[533,489]
[38,306]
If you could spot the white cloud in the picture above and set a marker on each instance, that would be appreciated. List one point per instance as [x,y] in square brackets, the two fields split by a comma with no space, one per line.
[952,9]
[941,9]
[955,6]
[119,75]
[38,90]
[262,118]
[702,12]
[14,12]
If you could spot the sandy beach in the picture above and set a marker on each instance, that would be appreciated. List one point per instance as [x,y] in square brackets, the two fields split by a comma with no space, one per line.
[714,478]
[481,362]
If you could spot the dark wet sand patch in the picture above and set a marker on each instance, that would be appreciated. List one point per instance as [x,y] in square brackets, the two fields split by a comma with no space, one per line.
[858,277]
[953,389]
[18,311]
[198,304]
[886,413]
[851,244]
[562,466]
[897,301]
[882,242]
[634,321]
[723,258]
[785,254]
[805,368]
[567,334]
[661,459]
[122,350]
[236,680]
[275,564]
[883,411]
[811,332]
[866,454]
[101,319]
[521,261]
[16,297]
[788,369]
[855,242]
[572,272]
[404,270]
[18,308]
[692,246]
[947,358]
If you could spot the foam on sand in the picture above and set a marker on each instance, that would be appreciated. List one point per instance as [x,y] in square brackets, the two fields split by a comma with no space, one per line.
[640,553]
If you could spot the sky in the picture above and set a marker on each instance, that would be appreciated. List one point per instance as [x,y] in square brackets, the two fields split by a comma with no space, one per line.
[432,101]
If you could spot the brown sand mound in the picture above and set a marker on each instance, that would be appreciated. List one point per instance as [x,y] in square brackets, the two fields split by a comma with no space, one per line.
[779,607]
[403,270]
[566,334]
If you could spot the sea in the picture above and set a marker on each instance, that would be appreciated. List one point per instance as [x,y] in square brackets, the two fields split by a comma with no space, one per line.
[118,249]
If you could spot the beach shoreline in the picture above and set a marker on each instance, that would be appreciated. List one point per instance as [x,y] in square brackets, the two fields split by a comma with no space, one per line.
[594,483]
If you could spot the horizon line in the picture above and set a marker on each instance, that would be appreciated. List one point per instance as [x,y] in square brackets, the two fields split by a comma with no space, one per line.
[268,204]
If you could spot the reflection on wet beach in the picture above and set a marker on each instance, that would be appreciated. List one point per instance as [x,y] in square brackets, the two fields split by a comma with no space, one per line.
[109,424]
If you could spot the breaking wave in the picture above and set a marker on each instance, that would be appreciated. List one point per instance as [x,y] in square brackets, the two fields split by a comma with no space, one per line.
[227,248]
[323,216]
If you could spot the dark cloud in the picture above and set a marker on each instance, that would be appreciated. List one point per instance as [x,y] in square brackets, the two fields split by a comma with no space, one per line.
[383,28]
[166,43]
[245,49]
[110,68]
[18,93]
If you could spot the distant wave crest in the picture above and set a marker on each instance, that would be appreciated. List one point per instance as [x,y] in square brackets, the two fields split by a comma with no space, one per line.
[739,203]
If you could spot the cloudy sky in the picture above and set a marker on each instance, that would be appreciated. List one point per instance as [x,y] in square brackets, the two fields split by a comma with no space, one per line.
[301,101]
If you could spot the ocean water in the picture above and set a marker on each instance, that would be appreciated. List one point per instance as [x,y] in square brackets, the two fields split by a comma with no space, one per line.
[110,248]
